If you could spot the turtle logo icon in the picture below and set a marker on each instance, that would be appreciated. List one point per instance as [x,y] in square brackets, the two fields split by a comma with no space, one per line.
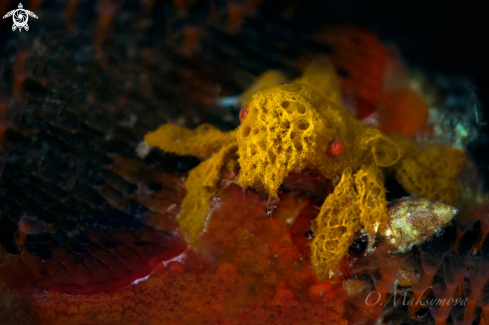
[20,17]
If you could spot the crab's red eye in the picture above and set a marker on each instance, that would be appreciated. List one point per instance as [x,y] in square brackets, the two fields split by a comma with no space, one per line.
[335,147]
[242,113]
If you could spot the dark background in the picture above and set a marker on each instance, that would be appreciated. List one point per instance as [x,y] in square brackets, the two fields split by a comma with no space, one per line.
[451,37]
[437,35]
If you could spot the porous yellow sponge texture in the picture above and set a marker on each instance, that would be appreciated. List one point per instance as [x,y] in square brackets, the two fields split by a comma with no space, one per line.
[321,76]
[288,128]
[429,169]
[358,200]
[268,79]
[202,184]
[202,142]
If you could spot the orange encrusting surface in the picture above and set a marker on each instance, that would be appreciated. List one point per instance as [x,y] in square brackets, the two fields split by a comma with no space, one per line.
[245,270]
[374,79]
[404,112]
[361,59]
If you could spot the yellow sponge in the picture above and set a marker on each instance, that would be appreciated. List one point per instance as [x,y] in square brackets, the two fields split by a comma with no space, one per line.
[321,76]
[428,169]
[201,142]
[358,200]
[289,128]
[268,79]
[202,184]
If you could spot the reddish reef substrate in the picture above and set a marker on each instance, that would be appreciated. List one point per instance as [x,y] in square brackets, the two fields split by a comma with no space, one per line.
[246,270]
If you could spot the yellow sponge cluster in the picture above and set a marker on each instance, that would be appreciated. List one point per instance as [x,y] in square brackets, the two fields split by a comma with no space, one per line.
[202,185]
[216,148]
[289,128]
[268,79]
[428,169]
[321,76]
[358,199]
[202,142]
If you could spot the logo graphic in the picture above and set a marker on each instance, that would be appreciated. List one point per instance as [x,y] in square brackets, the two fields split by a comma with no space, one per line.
[20,17]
